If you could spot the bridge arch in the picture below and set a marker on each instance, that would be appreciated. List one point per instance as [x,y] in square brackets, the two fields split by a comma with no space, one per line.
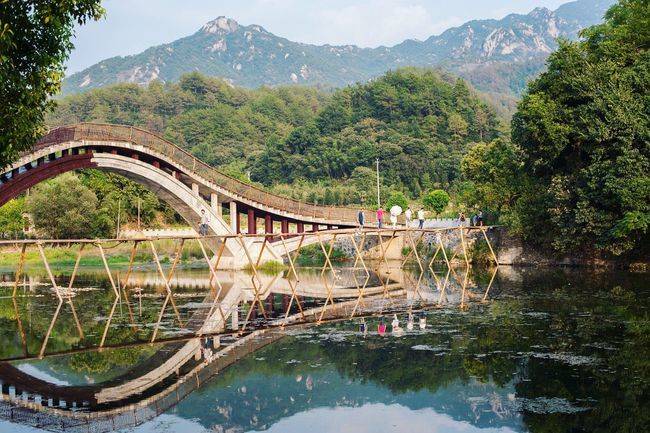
[177,177]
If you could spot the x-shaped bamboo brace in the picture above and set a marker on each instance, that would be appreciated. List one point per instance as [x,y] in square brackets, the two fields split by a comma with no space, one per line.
[49,329]
[169,298]
[444,287]
[49,271]
[256,292]
[414,249]
[328,262]
[213,276]
[360,247]
[440,247]
[292,285]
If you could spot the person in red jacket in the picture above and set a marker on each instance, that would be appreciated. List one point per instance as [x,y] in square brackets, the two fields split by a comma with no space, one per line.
[380,217]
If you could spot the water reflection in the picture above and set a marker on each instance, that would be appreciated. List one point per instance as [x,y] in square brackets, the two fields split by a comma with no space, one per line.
[531,351]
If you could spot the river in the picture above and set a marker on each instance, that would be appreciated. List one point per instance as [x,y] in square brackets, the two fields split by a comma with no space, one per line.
[519,350]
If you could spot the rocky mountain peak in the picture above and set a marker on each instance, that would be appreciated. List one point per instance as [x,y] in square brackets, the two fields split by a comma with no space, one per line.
[541,13]
[221,25]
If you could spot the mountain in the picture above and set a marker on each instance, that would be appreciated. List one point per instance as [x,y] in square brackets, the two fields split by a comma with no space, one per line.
[496,56]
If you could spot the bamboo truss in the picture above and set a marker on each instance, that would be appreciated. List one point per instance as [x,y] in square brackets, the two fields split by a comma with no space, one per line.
[375,290]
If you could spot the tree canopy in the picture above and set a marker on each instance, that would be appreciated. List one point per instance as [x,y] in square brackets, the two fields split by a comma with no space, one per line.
[34,44]
[583,131]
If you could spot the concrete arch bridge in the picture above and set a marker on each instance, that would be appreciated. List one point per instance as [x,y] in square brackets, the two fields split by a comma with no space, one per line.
[186,183]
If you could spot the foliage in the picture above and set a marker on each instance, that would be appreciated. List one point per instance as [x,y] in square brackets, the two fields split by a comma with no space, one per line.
[583,130]
[397,199]
[63,208]
[306,143]
[12,220]
[417,122]
[34,44]
[436,200]
[492,171]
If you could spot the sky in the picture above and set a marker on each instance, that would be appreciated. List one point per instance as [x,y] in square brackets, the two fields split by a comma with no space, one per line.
[131,26]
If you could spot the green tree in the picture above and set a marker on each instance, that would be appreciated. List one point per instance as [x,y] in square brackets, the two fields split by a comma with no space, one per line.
[493,169]
[63,208]
[397,198]
[34,44]
[436,200]
[12,221]
[583,129]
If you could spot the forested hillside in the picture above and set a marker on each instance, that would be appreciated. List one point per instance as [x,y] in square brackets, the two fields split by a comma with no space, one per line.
[419,123]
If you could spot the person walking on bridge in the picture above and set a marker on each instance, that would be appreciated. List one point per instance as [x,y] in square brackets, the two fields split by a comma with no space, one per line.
[421,218]
[205,221]
[380,217]
[361,218]
[409,216]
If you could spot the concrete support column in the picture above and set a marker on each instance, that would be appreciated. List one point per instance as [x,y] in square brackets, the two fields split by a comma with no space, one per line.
[195,189]
[234,318]
[300,227]
[214,203]
[234,217]
[268,223]
[252,222]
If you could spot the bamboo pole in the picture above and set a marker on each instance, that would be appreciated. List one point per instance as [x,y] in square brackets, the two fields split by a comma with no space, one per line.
[108,271]
[19,269]
[167,287]
[49,271]
[76,267]
[49,329]
[494,256]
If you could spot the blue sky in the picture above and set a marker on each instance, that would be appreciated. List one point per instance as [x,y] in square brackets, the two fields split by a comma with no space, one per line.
[131,26]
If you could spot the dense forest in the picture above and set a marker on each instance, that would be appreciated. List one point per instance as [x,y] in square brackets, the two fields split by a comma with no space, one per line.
[419,123]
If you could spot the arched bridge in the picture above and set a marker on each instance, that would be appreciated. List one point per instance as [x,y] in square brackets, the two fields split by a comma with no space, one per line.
[186,183]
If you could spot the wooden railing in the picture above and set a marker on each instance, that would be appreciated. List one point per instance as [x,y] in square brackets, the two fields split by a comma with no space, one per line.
[107,132]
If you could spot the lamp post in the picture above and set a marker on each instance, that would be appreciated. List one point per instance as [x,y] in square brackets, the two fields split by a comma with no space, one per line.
[378,199]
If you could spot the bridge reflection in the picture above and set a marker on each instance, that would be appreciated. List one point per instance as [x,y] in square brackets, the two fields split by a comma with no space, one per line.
[187,328]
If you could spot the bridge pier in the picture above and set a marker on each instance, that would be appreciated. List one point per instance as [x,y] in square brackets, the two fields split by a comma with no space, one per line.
[268,223]
[214,203]
[234,217]
[252,222]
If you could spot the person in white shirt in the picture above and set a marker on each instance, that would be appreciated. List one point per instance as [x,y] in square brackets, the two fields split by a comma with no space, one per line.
[421,218]
[205,221]
[408,215]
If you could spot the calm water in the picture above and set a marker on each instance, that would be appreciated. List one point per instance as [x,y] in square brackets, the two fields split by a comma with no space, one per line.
[543,351]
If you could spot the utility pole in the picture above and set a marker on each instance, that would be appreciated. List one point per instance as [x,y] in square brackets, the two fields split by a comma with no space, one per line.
[139,227]
[378,199]
[119,210]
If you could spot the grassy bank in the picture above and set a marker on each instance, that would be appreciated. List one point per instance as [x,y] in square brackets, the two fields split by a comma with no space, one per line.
[117,255]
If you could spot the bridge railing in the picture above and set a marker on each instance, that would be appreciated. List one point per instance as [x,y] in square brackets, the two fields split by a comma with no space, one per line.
[106,132]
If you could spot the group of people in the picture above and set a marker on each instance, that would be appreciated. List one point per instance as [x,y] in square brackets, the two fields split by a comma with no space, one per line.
[408,215]
[395,325]
[475,220]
